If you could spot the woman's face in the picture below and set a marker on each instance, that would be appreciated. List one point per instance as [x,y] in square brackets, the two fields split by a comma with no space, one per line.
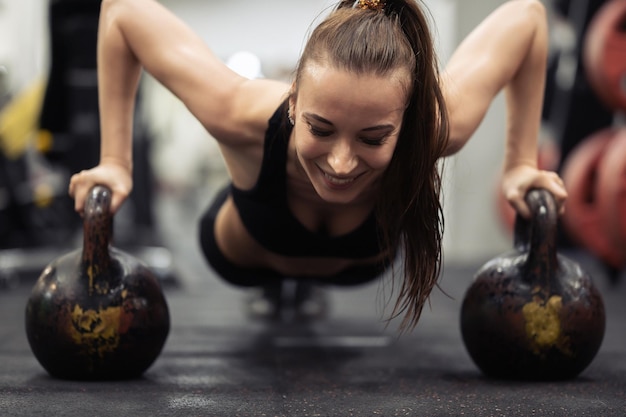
[346,128]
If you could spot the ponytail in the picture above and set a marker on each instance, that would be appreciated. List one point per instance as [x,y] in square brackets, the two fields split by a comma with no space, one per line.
[364,37]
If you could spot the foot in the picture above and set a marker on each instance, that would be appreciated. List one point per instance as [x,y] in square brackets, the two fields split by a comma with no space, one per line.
[299,300]
[310,301]
[265,303]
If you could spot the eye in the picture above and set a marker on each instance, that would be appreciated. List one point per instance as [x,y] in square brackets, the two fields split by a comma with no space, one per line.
[319,132]
[374,141]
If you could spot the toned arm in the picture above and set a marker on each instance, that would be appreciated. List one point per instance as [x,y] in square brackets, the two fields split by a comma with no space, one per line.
[136,35]
[507,51]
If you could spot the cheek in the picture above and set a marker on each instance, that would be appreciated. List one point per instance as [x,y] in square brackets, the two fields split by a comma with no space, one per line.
[380,159]
[308,148]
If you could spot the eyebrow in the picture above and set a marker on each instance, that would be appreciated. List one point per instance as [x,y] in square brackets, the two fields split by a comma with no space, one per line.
[328,122]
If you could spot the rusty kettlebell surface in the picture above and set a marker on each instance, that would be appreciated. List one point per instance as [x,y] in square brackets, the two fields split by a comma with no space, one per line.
[97,313]
[532,313]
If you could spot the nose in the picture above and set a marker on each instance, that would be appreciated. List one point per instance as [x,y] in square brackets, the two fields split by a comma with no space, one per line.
[342,158]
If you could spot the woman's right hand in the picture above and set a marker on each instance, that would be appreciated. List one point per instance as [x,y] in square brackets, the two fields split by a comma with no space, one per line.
[116,177]
[519,180]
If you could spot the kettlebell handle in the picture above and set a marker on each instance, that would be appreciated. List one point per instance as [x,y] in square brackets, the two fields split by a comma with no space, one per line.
[537,235]
[98,202]
[97,227]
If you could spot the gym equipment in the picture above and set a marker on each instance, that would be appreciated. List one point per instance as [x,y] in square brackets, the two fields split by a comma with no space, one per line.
[30,211]
[19,118]
[97,313]
[533,314]
[572,110]
[583,217]
[50,131]
[612,192]
[604,54]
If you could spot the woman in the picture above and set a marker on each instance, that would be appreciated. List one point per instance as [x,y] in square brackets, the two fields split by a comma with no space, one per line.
[346,173]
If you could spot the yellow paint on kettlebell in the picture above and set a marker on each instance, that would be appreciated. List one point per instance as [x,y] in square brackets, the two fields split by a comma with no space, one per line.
[96,331]
[93,270]
[98,287]
[543,325]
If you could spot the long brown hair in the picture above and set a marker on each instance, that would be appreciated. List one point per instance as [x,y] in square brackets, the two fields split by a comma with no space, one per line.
[409,213]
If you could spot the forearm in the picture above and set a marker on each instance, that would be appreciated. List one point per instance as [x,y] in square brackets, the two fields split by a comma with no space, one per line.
[505,52]
[524,94]
[118,78]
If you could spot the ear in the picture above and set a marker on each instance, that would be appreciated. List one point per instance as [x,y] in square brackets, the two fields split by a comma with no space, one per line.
[292,97]
[291,104]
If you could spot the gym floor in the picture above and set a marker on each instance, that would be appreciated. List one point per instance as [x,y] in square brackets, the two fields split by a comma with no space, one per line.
[218,362]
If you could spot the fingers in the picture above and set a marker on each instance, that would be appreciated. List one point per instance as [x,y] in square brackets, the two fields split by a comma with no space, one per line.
[516,199]
[116,202]
[552,182]
[517,189]
[73,183]
[118,181]
[77,191]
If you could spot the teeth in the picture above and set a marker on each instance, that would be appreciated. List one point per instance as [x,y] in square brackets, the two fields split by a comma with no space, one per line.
[337,180]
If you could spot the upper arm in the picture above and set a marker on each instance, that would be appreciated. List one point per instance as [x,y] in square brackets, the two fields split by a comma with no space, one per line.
[180,60]
[469,86]
[487,60]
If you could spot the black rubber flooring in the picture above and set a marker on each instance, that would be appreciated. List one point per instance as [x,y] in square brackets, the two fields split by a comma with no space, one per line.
[218,362]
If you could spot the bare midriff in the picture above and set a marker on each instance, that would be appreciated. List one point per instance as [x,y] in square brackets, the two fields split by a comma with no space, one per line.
[243,250]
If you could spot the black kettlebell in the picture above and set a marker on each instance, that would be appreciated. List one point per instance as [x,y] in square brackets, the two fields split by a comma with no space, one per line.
[97,313]
[532,313]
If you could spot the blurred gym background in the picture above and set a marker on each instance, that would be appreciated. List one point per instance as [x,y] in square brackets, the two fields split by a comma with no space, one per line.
[49,125]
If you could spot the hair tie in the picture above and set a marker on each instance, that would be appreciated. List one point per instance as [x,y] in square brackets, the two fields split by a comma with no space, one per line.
[370,4]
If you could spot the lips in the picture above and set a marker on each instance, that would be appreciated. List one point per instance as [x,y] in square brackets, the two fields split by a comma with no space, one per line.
[338,182]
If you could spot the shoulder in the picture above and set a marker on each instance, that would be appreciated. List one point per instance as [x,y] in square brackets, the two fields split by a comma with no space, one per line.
[248,112]
[241,127]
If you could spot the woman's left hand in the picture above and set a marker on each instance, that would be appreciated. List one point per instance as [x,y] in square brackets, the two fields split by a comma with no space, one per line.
[517,181]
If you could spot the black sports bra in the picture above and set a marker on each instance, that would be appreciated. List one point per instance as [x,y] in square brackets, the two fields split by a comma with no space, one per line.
[266,215]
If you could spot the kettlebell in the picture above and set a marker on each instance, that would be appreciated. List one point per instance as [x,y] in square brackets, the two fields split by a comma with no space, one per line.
[532,313]
[97,313]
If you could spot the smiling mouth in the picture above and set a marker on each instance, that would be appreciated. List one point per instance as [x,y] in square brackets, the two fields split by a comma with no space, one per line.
[338,181]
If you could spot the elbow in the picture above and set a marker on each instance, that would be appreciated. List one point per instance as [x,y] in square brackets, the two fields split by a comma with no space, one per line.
[520,14]
[106,5]
[110,3]
[462,126]
[537,7]
[533,10]
[112,9]
[108,10]
[454,145]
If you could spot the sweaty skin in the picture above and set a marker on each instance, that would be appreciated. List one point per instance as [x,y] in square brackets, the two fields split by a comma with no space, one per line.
[331,178]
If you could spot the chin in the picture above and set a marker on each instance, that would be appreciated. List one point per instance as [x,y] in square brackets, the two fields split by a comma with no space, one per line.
[340,194]
[336,198]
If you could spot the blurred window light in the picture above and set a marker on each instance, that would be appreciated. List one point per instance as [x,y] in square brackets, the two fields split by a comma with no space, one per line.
[245,64]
